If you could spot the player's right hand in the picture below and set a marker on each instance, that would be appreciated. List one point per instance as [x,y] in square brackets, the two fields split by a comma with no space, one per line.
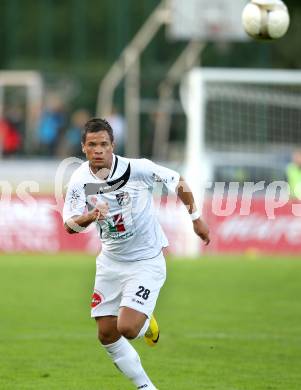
[101,210]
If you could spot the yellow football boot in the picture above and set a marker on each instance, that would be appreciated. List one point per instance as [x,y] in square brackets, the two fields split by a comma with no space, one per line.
[152,334]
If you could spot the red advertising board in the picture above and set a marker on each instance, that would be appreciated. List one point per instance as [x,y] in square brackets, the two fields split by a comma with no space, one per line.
[256,231]
[36,225]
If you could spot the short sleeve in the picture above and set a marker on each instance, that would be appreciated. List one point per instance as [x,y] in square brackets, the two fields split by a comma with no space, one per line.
[154,173]
[75,201]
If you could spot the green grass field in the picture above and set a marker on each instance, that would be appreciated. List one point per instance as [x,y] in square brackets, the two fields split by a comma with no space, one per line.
[226,324]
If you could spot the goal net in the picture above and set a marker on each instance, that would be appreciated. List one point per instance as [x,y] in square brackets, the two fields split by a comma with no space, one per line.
[242,124]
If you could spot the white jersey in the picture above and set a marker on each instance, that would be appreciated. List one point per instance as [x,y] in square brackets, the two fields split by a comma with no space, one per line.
[131,231]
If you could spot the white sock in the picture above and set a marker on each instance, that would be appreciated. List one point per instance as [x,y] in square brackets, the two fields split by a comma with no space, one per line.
[143,329]
[127,360]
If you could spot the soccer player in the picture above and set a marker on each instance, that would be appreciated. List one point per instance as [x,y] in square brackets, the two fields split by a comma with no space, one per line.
[116,193]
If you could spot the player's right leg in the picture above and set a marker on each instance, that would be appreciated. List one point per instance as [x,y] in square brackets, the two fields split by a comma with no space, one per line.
[122,353]
[107,330]
[105,309]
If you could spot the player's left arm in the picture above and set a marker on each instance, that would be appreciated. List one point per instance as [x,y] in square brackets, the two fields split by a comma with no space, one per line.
[199,226]
[175,183]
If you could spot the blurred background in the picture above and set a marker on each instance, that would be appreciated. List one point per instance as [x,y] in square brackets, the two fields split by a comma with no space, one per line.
[182,84]
[71,45]
[130,61]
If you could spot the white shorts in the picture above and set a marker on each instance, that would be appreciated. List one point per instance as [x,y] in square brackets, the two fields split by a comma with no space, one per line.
[132,284]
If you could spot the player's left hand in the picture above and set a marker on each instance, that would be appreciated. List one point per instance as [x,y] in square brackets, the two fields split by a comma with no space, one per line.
[201,229]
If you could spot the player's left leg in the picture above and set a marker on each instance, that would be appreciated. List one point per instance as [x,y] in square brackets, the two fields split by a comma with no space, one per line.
[142,284]
[130,322]
[133,325]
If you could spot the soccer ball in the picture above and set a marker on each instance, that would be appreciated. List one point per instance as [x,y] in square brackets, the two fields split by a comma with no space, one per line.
[266,19]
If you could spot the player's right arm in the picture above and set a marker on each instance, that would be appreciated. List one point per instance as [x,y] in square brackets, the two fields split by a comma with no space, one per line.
[75,217]
[78,223]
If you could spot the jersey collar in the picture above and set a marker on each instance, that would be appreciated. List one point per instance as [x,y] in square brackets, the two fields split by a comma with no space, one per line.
[112,170]
[113,166]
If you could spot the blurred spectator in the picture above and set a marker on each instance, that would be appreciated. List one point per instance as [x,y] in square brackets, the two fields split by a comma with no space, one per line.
[15,115]
[53,121]
[118,125]
[10,139]
[71,142]
[293,172]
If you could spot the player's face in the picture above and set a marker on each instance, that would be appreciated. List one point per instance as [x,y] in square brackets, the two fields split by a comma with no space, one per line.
[99,150]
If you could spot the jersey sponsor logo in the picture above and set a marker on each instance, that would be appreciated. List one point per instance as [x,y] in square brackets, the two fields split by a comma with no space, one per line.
[97,299]
[123,198]
[116,224]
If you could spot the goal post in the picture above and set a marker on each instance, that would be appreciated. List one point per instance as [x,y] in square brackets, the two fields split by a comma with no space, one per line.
[244,119]
[33,84]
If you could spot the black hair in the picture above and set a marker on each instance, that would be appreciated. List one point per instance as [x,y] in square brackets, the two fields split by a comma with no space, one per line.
[97,124]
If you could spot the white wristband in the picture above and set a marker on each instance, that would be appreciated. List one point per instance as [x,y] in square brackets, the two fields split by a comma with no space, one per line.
[194,216]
